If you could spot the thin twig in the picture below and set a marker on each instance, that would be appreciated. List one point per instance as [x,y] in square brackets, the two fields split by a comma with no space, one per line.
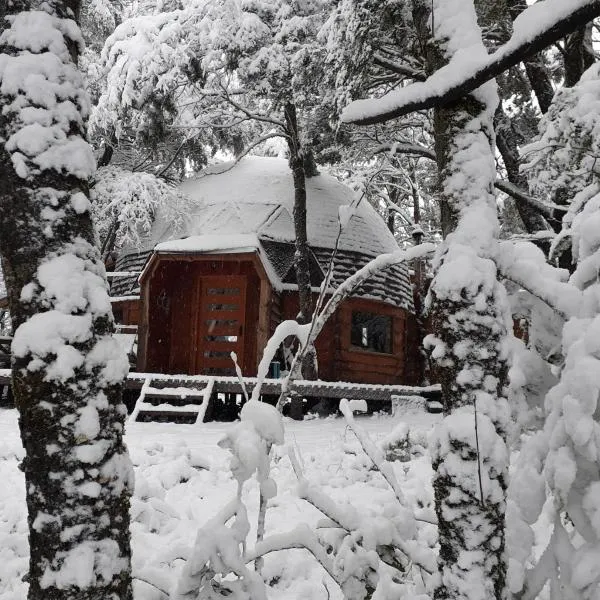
[478,453]
[151,585]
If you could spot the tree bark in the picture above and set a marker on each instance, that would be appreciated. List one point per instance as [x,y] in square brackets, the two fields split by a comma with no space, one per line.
[468,307]
[506,138]
[472,78]
[67,369]
[509,150]
[297,163]
[578,55]
[535,68]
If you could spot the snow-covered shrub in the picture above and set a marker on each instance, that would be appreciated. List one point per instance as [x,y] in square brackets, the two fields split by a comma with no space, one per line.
[402,444]
[564,456]
[217,565]
[374,553]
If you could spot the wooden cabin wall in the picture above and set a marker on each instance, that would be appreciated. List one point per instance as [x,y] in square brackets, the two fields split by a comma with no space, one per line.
[325,347]
[182,317]
[171,307]
[340,361]
[168,334]
[154,333]
[265,320]
[126,312]
[358,365]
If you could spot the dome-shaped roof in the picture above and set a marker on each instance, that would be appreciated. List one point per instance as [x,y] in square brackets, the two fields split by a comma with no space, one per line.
[256,196]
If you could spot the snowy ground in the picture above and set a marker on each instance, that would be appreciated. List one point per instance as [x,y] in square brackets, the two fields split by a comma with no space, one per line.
[175,495]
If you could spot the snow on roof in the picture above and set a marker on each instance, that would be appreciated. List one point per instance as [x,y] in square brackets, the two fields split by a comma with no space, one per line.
[256,196]
[211,243]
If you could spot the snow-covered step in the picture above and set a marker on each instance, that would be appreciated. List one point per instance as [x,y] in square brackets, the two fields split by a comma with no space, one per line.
[179,392]
[157,401]
[433,406]
[191,408]
[187,413]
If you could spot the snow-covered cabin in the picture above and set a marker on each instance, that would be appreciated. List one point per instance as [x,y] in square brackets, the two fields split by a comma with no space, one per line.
[225,279]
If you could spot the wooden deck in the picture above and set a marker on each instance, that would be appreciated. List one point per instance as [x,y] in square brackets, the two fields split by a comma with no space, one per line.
[182,396]
[272,387]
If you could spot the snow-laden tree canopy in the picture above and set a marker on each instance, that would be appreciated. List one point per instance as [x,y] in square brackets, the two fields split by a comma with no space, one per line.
[212,64]
[124,205]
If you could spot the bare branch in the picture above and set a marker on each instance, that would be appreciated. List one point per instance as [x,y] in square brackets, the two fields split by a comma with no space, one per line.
[403,148]
[398,68]
[153,585]
[563,298]
[300,537]
[251,115]
[549,210]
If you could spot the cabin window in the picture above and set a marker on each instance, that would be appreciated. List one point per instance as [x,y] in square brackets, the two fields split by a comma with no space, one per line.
[371,332]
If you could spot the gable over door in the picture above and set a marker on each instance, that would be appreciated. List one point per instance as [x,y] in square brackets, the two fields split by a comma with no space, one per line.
[221,323]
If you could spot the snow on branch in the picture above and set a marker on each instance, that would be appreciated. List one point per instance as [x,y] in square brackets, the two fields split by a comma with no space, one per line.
[547,209]
[525,264]
[346,517]
[284,330]
[380,263]
[320,317]
[399,68]
[404,148]
[125,205]
[299,537]
[535,29]
[372,451]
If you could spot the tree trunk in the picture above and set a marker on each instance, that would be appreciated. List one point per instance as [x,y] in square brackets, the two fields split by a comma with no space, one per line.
[67,369]
[468,316]
[579,54]
[509,150]
[302,256]
[391,220]
[537,73]
[499,17]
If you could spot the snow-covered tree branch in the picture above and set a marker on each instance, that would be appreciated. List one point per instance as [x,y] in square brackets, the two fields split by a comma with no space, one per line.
[535,29]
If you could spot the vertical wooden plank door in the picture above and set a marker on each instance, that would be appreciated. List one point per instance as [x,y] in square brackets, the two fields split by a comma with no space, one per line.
[221,326]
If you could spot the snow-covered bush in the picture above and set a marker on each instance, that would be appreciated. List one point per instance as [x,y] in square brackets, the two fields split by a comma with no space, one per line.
[564,456]
[402,444]
[374,554]
[217,565]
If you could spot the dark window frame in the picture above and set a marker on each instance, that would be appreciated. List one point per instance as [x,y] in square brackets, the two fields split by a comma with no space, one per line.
[363,340]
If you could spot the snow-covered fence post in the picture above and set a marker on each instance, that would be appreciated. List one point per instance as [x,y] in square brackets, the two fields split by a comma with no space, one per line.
[68,371]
